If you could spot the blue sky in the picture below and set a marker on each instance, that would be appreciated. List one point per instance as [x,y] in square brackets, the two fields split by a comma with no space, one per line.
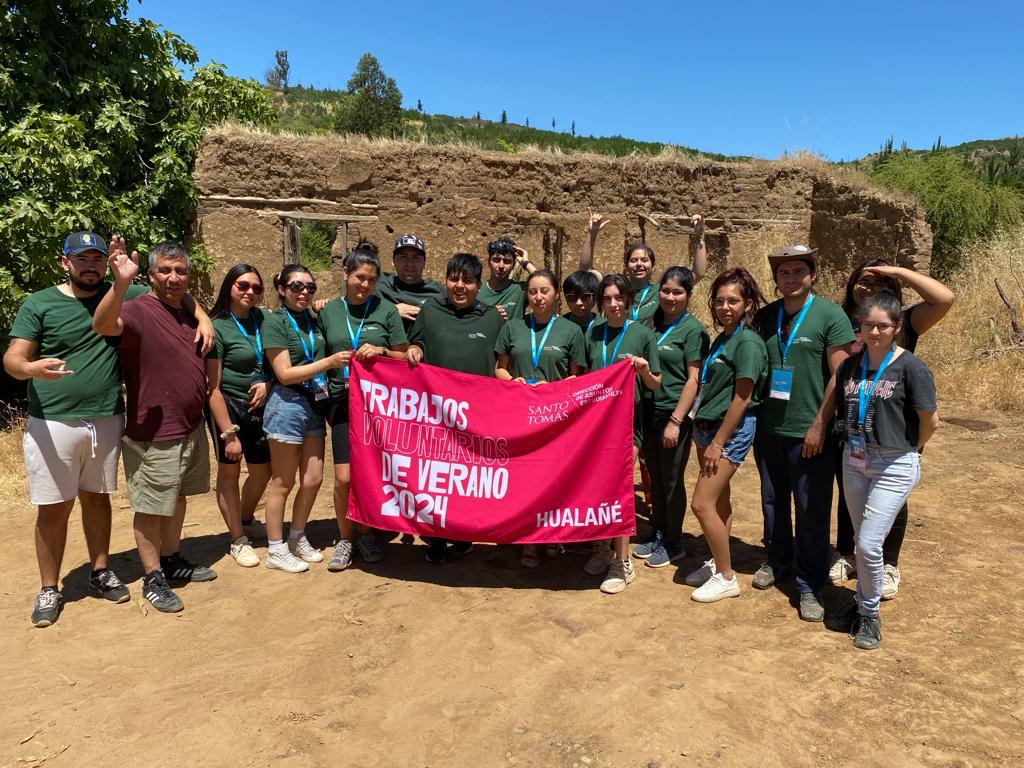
[744,77]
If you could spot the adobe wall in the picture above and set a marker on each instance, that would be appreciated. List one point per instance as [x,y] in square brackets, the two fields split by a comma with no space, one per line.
[458,199]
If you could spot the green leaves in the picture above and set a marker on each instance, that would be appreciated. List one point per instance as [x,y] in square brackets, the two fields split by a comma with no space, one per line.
[375,106]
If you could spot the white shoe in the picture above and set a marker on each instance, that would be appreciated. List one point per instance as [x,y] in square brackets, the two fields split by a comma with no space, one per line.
[841,570]
[243,553]
[283,560]
[620,573]
[600,560]
[302,549]
[699,577]
[890,582]
[716,588]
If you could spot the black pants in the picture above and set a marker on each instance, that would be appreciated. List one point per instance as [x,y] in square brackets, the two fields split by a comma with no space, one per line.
[844,526]
[666,467]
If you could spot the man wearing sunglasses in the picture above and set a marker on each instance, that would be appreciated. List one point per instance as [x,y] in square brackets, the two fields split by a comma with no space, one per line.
[76,415]
[405,287]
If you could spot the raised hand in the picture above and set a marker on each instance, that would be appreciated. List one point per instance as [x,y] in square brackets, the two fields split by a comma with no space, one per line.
[595,222]
[697,220]
[123,267]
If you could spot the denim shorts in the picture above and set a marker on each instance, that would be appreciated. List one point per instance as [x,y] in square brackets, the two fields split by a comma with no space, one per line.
[737,446]
[289,417]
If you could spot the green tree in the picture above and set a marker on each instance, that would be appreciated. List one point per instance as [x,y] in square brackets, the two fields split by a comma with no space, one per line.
[504,118]
[573,127]
[277,76]
[419,106]
[99,130]
[375,106]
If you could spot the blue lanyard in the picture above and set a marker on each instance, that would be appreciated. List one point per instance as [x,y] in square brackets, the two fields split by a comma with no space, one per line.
[257,345]
[640,302]
[535,353]
[793,328]
[672,327]
[591,323]
[615,349]
[717,351]
[864,394]
[354,335]
[310,349]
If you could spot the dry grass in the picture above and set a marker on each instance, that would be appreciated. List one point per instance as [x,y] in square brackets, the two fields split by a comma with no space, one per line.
[12,467]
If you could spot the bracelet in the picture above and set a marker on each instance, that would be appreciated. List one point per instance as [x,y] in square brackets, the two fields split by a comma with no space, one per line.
[229,432]
[718,446]
[674,420]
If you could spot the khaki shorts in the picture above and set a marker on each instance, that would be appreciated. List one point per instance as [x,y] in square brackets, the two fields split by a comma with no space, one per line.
[63,456]
[157,473]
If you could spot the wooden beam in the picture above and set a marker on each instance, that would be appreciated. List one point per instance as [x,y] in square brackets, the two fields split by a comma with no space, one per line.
[307,216]
[267,200]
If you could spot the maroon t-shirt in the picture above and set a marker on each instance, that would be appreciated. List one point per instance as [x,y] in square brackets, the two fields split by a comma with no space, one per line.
[164,375]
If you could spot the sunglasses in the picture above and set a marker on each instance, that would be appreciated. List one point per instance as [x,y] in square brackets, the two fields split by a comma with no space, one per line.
[297,286]
[245,285]
[578,296]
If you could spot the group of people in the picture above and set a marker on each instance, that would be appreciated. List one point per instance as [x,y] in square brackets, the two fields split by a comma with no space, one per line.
[822,393]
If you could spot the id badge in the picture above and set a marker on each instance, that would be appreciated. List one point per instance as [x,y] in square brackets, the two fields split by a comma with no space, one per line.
[692,415]
[781,385]
[534,381]
[320,390]
[856,447]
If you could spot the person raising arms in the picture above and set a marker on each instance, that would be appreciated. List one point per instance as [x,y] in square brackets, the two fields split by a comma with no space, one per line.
[499,290]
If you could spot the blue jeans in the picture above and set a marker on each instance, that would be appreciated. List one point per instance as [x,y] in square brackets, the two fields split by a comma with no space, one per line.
[737,446]
[875,495]
[787,480]
[289,418]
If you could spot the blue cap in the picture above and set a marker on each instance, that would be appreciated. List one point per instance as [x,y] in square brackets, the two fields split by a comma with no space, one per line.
[80,242]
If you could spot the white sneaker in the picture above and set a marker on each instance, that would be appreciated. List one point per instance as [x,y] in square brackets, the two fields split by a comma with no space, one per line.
[890,582]
[620,573]
[600,560]
[243,553]
[283,560]
[716,588]
[301,548]
[699,577]
[841,570]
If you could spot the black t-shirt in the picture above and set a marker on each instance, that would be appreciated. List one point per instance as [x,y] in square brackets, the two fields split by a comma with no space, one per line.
[891,421]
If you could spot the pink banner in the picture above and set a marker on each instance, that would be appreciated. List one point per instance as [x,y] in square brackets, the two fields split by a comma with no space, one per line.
[439,453]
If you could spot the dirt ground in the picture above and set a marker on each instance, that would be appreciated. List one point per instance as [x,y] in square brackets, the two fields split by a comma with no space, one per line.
[482,663]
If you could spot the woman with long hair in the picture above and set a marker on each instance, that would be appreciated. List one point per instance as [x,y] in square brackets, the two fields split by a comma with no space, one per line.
[732,380]
[237,389]
[865,281]
[885,399]
[294,416]
[617,338]
[682,343]
[369,326]
[539,348]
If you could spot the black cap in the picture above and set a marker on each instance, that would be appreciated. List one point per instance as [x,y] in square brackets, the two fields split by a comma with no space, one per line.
[80,242]
[410,241]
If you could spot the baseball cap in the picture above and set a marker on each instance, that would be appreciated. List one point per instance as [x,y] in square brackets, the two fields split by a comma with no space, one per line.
[792,253]
[410,241]
[80,242]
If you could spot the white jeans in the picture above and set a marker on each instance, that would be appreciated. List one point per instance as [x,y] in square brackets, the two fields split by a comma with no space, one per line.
[875,495]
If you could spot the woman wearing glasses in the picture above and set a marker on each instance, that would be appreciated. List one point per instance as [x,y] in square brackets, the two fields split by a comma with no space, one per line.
[294,416]
[885,401]
[867,280]
[732,378]
[370,326]
[237,391]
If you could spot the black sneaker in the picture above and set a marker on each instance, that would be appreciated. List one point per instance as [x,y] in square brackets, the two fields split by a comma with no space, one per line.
[178,568]
[158,592]
[106,584]
[460,548]
[867,634]
[436,551]
[47,608]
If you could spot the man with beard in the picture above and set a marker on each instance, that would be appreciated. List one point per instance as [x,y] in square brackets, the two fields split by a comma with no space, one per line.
[76,416]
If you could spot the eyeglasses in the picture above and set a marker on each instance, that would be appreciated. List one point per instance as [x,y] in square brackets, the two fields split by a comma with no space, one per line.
[298,286]
[579,296]
[731,301]
[245,285]
[880,327]
[871,284]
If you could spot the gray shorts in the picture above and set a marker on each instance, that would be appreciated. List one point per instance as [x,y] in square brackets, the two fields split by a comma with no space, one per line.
[157,473]
[64,456]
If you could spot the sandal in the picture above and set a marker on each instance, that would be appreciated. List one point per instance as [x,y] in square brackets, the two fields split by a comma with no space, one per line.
[530,559]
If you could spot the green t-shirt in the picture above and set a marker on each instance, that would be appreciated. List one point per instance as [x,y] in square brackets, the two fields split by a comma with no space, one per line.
[237,352]
[279,333]
[61,326]
[394,290]
[512,298]
[457,339]
[382,327]
[825,325]
[564,345]
[584,325]
[686,342]
[644,304]
[743,357]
